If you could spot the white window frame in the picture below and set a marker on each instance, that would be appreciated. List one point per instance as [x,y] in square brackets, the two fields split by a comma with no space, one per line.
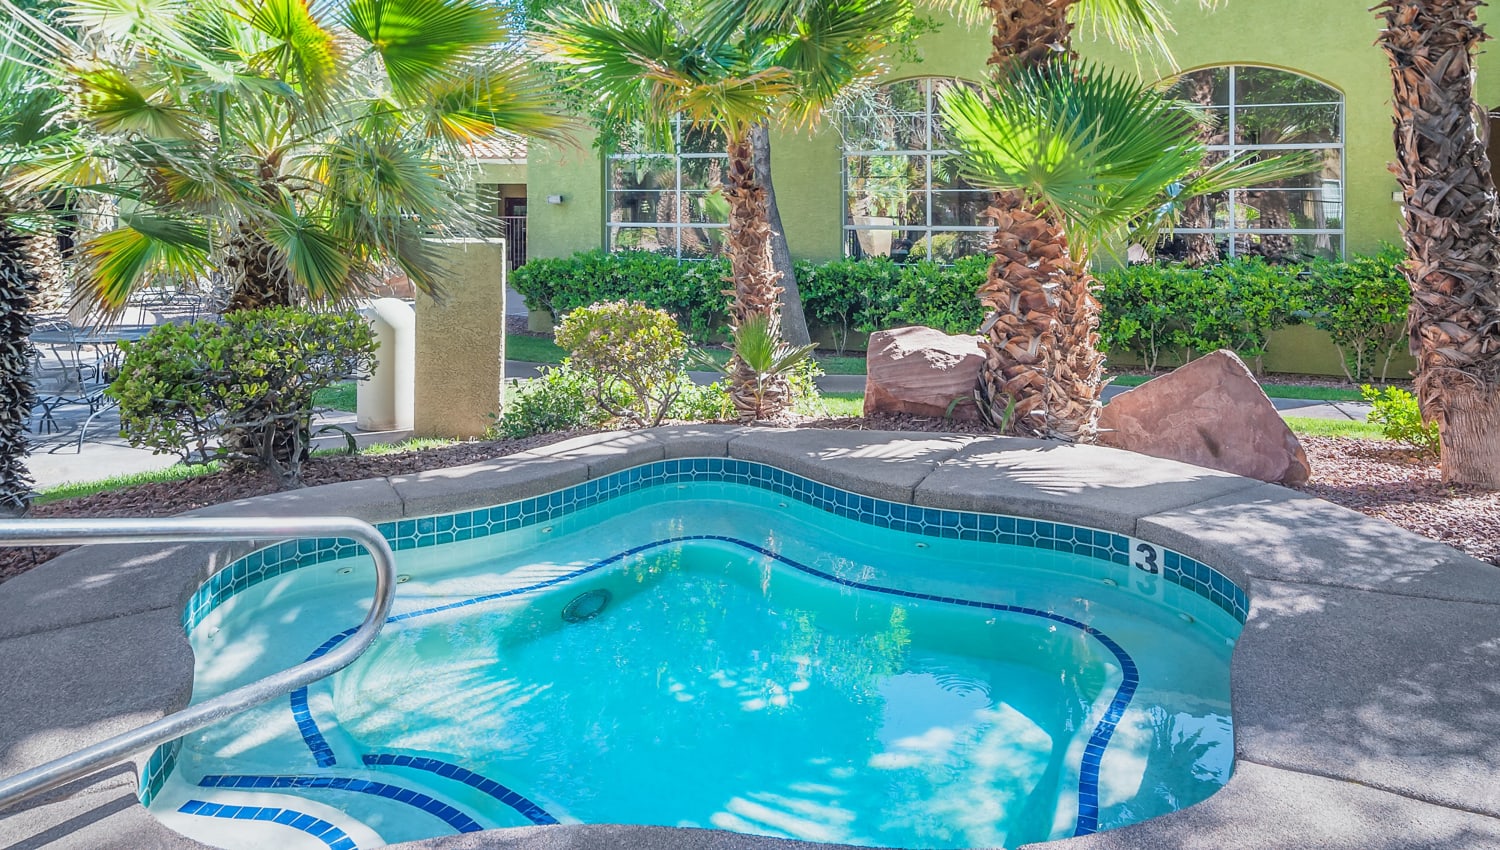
[1234,148]
[928,154]
[611,227]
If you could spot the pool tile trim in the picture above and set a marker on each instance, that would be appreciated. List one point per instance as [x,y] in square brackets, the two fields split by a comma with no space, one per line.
[291,555]
[335,838]
[431,805]
[523,806]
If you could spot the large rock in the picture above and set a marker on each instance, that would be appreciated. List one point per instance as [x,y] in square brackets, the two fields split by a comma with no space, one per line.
[920,371]
[1211,413]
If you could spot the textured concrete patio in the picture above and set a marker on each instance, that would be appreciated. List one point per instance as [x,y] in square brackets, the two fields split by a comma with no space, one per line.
[1366,684]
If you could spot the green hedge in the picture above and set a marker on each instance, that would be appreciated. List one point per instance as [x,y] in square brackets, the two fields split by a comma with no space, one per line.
[1153,312]
[692,292]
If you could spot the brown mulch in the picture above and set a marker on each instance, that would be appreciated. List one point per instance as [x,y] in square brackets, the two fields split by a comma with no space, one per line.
[1397,484]
[1379,478]
[168,498]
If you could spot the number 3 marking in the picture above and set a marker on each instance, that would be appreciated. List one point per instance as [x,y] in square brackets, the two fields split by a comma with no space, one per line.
[1147,561]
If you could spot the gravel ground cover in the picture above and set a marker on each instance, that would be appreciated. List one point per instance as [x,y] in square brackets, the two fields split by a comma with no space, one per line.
[1380,478]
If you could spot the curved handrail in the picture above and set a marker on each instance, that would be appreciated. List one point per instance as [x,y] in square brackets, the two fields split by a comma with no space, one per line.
[57,532]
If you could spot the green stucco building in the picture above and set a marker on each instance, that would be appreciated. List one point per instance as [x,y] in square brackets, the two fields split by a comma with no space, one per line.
[836,201]
[1277,75]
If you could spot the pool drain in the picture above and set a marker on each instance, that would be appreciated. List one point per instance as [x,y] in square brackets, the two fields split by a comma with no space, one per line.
[586,605]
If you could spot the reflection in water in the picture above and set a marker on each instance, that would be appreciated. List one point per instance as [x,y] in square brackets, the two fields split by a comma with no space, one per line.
[715,692]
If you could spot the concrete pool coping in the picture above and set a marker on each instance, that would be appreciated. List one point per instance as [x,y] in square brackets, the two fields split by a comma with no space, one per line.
[1365,687]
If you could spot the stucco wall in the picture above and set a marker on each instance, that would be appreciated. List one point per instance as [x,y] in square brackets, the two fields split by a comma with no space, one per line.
[575,172]
[1329,40]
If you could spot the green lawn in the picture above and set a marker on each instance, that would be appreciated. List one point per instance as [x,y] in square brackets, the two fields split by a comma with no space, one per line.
[535,349]
[339,396]
[532,349]
[1306,427]
[1272,390]
[73,490]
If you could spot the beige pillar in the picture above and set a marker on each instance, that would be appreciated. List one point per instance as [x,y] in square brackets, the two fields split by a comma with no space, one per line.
[461,342]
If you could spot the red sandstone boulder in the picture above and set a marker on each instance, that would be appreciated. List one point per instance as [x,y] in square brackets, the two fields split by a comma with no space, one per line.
[1211,413]
[921,371]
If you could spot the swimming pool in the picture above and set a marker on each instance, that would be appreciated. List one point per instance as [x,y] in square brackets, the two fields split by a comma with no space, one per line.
[744,649]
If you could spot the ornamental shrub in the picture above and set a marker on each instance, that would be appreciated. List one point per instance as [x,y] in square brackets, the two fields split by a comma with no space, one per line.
[939,296]
[240,390]
[558,400]
[1148,310]
[692,292]
[1400,418]
[1362,304]
[849,295]
[624,349]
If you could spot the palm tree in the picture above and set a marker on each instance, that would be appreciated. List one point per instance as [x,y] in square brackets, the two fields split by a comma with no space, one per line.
[26,103]
[1093,158]
[298,150]
[1450,211]
[1041,313]
[729,66]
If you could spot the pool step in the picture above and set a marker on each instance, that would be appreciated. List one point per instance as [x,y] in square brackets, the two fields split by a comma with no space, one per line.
[332,812]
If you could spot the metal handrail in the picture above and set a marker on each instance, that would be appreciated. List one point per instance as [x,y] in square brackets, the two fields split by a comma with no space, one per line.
[57,532]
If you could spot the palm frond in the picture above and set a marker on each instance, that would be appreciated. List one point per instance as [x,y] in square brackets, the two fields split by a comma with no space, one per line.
[501,95]
[129,257]
[114,103]
[318,262]
[832,45]
[1095,147]
[301,51]
[422,42]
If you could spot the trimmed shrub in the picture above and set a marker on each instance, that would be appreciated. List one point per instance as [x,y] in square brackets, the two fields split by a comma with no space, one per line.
[1155,312]
[693,292]
[240,390]
[558,400]
[1400,418]
[626,349]
[1363,305]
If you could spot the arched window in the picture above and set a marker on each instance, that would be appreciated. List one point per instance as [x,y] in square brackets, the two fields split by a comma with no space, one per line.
[903,197]
[1266,111]
[669,202]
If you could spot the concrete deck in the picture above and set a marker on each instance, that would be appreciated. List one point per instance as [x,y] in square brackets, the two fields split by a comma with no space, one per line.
[1366,684]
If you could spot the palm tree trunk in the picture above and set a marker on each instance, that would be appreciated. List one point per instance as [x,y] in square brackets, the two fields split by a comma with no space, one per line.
[1202,248]
[793,320]
[1028,33]
[1451,213]
[756,291]
[254,270]
[18,285]
[1043,371]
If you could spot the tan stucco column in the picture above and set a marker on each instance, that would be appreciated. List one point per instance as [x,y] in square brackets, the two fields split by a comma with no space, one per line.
[461,342]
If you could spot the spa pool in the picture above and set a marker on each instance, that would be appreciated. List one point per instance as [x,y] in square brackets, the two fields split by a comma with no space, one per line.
[713,643]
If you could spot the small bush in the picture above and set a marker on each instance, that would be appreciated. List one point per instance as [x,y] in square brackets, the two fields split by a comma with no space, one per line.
[626,346]
[707,403]
[938,296]
[1400,418]
[558,400]
[239,390]
[1362,304]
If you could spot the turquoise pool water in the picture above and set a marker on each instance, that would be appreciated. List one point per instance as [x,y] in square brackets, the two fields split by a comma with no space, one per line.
[759,666]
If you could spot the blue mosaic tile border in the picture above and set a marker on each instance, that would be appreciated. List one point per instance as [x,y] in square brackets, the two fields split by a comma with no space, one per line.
[1093,753]
[335,838]
[158,767]
[437,808]
[529,810]
[959,525]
